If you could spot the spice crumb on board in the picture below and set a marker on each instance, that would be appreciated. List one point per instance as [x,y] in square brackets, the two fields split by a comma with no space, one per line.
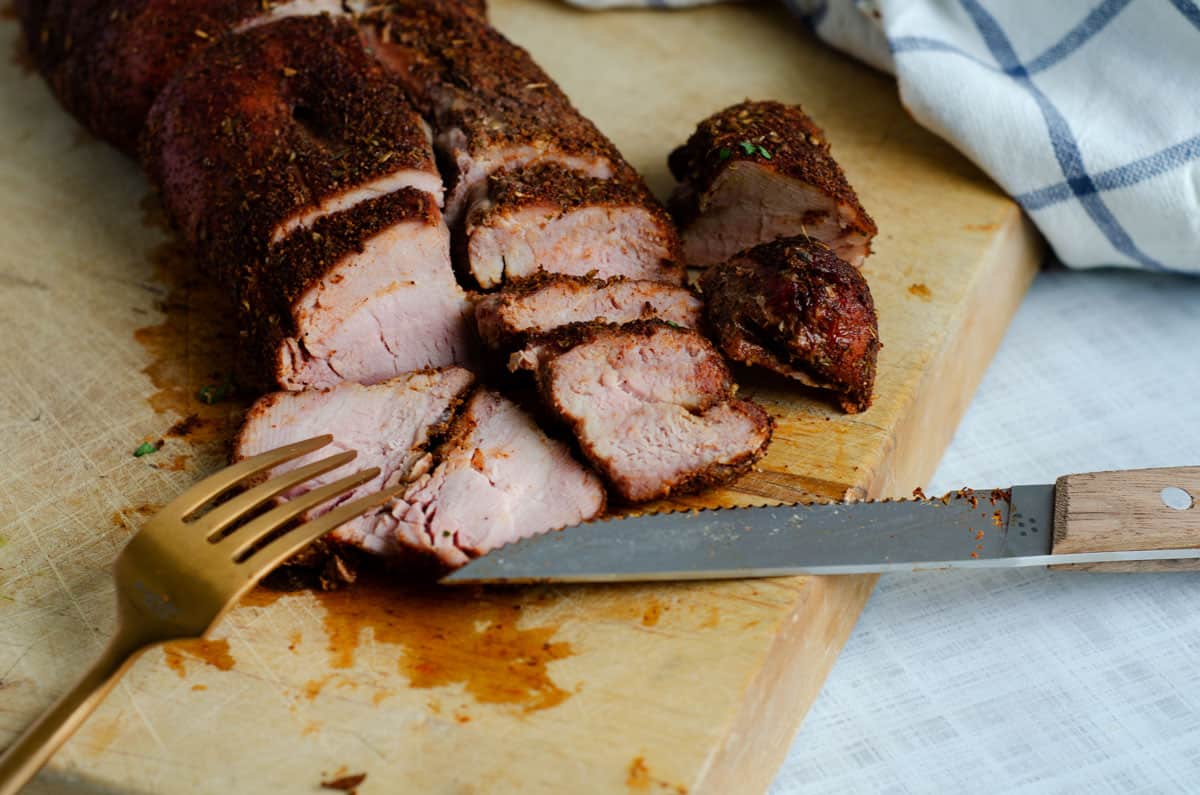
[920,291]
[345,783]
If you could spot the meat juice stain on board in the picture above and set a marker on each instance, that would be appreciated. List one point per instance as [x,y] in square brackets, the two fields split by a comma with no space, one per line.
[473,640]
[192,349]
[210,652]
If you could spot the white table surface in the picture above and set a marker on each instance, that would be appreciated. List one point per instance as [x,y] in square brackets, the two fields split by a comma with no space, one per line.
[1030,681]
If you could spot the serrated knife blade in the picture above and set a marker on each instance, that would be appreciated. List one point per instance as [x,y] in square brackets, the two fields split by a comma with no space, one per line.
[1000,528]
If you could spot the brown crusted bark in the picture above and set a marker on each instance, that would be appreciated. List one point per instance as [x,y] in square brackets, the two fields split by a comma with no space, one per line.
[270,123]
[490,104]
[794,307]
[507,319]
[107,60]
[651,406]
[782,141]
[548,217]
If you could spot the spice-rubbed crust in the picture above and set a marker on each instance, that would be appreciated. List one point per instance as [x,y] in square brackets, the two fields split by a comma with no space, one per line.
[107,60]
[272,123]
[490,104]
[758,141]
[794,307]
[548,217]
[651,406]
[551,184]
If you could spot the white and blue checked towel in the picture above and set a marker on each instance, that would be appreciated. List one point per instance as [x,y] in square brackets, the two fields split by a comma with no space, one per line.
[1086,112]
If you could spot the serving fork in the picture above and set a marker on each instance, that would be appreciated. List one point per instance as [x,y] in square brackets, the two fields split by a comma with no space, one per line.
[187,567]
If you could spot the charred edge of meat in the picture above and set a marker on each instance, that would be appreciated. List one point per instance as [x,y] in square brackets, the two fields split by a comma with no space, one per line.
[271,122]
[502,94]
[648,245]
[268,287]
[774,135]
[795,307]
[500,333]
[490,104]
[107,60]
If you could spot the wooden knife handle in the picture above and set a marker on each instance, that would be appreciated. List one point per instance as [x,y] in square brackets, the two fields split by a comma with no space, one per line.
[1127,510]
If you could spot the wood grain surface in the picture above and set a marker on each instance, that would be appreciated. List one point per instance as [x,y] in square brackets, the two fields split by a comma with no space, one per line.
[106,336]
[1118,511]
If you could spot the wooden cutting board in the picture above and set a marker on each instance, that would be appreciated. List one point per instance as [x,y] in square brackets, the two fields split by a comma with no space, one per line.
[106,336]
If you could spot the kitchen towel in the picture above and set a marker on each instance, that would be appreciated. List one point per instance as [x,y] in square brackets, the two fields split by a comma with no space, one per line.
[1086,112]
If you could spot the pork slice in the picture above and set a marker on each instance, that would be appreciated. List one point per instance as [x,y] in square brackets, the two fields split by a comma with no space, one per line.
[794,307]
[498,479]
[266,131]
[652,407]
[364,294]
[490,104]
[107,60]
[391,425]
[507,318]
[549,218]
[758,171]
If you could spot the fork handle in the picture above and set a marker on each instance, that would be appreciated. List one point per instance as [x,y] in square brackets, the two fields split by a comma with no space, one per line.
[29,752]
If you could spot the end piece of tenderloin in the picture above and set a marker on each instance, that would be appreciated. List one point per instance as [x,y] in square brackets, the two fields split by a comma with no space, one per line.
[107,60]
[390,424]
[793,306]
[266,131]
[547,217]
[651,405]
[506,319]
[491,106]
[758,171]
[362,295]
[498,479]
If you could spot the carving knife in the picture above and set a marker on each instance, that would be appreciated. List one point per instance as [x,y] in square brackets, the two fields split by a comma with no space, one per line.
[1110,518]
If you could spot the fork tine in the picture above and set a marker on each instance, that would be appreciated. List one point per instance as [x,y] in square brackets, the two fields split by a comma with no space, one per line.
[222,481]
[282,548]
[226,513]
[258,529]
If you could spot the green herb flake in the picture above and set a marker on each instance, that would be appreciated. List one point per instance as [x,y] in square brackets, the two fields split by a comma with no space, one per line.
[724,153]
[215,393]
[751,148]
[672,324]
[146,448]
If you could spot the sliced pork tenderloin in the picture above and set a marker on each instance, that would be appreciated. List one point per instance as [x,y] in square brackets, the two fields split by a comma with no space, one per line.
[268,130]
[795,307]
[107,60]
[547,217]
[362,295]
[758,171]
[490,104]
[651,405]
[506,319]
[391,425]
[498,479]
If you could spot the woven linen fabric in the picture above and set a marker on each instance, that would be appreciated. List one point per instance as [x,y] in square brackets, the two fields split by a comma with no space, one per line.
[1035,681]
[1085,112]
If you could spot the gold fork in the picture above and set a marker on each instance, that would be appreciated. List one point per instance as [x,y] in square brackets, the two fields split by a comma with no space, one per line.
[179,575]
